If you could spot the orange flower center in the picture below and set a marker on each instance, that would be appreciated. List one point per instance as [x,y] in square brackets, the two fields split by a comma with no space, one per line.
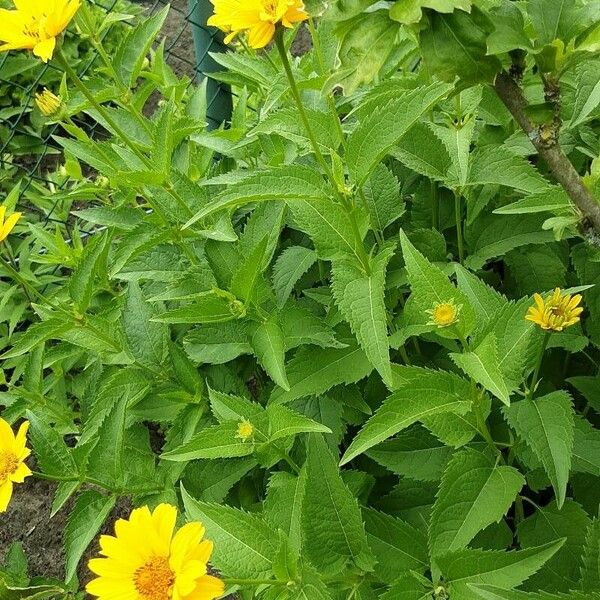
[154,581]
[9,463]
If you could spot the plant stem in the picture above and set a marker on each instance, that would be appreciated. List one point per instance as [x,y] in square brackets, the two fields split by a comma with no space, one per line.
[298,99]
[228,582]
[101,110]
[538,366]
[364,259]
[459,231]
[561,167]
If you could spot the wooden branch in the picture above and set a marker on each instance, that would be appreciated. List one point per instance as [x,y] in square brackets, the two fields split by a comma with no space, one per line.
[548,148]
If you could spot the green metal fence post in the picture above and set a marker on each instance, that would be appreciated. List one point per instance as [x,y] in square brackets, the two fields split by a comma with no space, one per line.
[208,39]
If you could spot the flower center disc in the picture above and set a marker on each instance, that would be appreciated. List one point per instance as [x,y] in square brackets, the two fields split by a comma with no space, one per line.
[8,465]
[155,579]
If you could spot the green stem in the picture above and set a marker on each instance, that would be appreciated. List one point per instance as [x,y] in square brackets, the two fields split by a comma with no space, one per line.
[364,259]
[101,110]
[253,582]
[459,232]
[298,99]
[323,71]
[538,366]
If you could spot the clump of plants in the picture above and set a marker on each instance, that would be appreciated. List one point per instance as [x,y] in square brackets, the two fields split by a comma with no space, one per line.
[344,347]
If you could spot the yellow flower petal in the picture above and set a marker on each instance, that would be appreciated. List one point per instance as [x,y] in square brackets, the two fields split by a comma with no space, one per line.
[6,490]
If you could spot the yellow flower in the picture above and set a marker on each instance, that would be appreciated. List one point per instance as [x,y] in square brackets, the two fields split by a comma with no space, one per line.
[35,25]
[258,17]
[444,314]
[145,561]
[557,312]
[245,430]
[13,452]
[50,104]
[7,226]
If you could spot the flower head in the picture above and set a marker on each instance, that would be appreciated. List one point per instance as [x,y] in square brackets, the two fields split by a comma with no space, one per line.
[35,25]
[146,560]
[6,226]
[557,312]
[258,17]
[245,430]
[50,104]
[444,314]
[13,452]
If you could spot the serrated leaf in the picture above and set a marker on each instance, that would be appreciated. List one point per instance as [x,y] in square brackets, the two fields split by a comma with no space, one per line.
[292,183]
[289,267]
[483,365]
[51,451]
[269,348]
[430,286]
[361,301]
[547,425]
[244,544]
[397,546]
[503,569]
[590,571]
[382,193]
[586,448]
[333,531]
[147,340]
[381,130]
[474,493]
[217,343]
[411,11]
[287,423]
[587,95]
[427,394]
[562,572]
[89,514]
[313,371]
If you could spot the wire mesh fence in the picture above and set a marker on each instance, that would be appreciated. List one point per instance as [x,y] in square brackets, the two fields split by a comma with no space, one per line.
[28,151]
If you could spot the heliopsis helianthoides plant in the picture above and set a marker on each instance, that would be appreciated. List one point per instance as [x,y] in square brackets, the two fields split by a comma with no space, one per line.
[35,25]
[147,559]
[556,312]
[7,224]
[258,18]
[13,452]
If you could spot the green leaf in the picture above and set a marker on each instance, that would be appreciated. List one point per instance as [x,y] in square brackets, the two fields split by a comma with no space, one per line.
[397,546]
[292,183]
[132,51]
[383,128]
[586,448]
[286,423]
[313,371]
[509,29]
[553,199]
[247,276]
[209,307]
[413,453]
[89,514]
[489,592]
[147,340]
[361,299]
[587,95]
[383,198]
[283,505]
[301,326]
[562,572]
[217,343]
[430,286]
[474,493]
[244,544]
[503,569]
[590,572]
[329,227]
[91,263]
[560,19]
[51,451]
[218,441]
[269,347]
[496,165]
[427,394]
[333,530]
[455,45]
[289,267]
[547,425]
[483,365]
[411,11]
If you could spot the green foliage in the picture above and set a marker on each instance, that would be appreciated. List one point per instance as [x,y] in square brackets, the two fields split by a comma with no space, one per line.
[251,329]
